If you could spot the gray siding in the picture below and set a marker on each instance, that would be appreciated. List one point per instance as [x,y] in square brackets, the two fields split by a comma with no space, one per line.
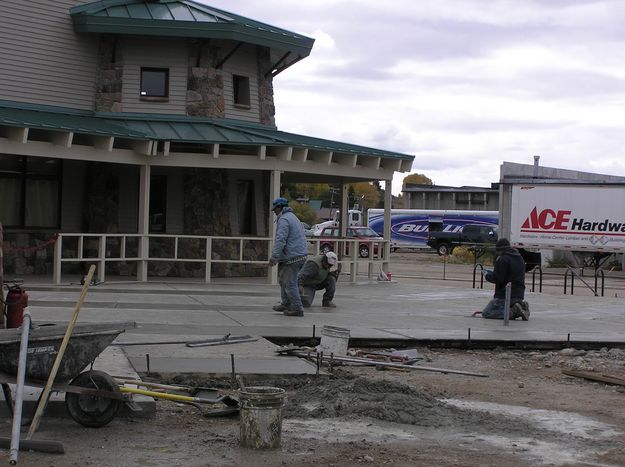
[244,63]
[155,53]
[42,60]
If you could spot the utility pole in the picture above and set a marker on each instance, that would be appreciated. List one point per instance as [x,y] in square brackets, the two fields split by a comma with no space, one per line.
[333,191]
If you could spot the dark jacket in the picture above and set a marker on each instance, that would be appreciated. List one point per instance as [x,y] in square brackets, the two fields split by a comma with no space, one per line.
[509,267]
[312,273]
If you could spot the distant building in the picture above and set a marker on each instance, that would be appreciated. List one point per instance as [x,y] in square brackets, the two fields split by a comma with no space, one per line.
[419,196]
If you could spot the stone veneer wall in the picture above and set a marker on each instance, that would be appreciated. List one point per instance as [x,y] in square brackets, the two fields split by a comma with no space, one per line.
[205,85]
[109,76]
[265,88]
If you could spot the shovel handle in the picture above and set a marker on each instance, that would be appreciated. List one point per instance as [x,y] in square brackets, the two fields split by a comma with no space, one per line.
[170,397]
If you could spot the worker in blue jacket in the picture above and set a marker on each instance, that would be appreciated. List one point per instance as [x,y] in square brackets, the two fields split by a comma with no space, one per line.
[289,253]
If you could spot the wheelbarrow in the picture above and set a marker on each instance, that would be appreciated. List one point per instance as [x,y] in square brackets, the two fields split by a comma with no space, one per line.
[92,397]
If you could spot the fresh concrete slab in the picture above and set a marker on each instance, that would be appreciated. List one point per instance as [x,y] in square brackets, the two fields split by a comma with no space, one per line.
[408,310]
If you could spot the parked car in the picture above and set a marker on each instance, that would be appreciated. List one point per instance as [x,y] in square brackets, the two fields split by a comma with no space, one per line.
[368,240]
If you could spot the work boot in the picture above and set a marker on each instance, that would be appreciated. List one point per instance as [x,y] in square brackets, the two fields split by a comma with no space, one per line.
[299,312]
[328,304]
[280,307]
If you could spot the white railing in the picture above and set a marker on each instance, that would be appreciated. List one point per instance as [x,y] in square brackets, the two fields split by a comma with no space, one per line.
[101,249]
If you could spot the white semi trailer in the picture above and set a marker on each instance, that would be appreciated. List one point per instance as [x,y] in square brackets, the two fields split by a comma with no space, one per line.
[585,219]
[568,217]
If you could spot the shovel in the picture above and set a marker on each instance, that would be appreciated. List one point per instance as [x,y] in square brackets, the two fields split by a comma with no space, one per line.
[199,397]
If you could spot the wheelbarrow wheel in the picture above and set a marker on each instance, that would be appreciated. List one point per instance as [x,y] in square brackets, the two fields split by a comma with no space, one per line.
[92,411]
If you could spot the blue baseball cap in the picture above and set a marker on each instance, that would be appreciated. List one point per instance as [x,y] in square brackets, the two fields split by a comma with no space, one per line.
[279,202]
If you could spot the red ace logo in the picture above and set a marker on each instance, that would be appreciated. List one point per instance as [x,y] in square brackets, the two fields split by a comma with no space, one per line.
[547,219]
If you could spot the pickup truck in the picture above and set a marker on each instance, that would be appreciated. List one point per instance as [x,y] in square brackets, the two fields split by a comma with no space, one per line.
[471,234]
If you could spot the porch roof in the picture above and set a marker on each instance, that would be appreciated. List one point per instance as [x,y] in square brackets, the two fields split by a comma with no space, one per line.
[173,128]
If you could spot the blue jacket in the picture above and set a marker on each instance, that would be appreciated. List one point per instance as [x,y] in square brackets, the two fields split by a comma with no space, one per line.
[290,239]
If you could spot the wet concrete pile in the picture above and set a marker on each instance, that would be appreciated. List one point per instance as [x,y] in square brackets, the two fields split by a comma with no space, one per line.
[350,397]
[358,397]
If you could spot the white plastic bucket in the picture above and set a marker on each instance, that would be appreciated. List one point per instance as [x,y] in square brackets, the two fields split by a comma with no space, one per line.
[334,340]
[261,417]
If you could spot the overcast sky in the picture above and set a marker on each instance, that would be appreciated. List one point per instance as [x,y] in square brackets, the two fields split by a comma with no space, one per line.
[462,85]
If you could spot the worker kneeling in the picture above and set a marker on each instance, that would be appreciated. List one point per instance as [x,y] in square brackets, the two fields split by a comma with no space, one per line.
[318,273]
[508,267]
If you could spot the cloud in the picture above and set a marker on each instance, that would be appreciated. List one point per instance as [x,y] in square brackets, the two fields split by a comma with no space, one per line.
[461,84]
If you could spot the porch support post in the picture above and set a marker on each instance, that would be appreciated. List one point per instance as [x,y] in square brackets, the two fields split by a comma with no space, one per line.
[388,204]
[274,192]
[144,222]
[343,220]
[343,224]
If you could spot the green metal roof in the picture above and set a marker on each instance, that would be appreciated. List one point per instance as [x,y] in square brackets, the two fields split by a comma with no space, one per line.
[172,128]
[182,18]
[68,120]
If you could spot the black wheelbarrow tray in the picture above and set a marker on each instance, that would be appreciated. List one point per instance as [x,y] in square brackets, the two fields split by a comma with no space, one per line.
[92,397]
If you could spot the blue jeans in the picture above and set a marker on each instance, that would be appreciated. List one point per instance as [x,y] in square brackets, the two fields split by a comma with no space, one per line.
[289,291]
[494,309]
[309,291]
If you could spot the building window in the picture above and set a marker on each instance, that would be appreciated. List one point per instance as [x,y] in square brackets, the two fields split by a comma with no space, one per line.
[29,191]
[241,90]
[154,83]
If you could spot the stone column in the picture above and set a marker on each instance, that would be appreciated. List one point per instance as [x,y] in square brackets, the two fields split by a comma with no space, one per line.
[109,76]
[266,105]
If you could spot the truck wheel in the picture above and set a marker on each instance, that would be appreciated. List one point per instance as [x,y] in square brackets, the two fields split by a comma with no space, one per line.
[363,251]
[444,249]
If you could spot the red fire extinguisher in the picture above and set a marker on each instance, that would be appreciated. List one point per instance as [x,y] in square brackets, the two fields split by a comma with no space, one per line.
[15,302]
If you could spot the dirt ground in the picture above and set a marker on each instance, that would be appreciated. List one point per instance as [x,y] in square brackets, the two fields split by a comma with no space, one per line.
[525,413]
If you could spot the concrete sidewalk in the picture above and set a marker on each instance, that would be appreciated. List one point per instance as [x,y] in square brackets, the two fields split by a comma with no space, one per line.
[405,312]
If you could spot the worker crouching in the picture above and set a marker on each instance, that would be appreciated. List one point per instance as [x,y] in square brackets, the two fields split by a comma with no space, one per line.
[319,273]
